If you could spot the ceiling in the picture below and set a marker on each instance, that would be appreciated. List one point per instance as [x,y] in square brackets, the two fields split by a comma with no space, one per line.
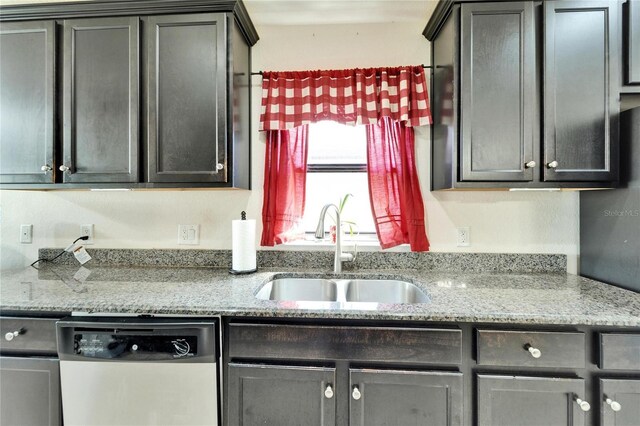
[322,12]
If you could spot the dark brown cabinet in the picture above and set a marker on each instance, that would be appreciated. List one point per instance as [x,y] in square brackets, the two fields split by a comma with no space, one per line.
[280,395]
[150,96]
[393,397]
[27,91]
[497,92]
[525,94]
[530,401]
[620,402]
[186,98]
[580,91]
[100,137]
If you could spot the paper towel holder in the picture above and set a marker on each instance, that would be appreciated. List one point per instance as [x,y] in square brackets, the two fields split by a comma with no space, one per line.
[243,216]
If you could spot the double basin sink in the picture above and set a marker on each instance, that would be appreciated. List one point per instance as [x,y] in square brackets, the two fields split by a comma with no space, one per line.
[342,290]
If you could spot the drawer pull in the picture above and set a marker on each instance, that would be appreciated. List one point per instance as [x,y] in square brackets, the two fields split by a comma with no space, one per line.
[615,405]
[356,393]
[13,334]
[584,405]
[328,392]
[535,352]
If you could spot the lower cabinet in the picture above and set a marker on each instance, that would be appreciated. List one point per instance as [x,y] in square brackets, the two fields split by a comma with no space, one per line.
[620,402]
[530,401]
[281,395]
[29,391]
[393,397]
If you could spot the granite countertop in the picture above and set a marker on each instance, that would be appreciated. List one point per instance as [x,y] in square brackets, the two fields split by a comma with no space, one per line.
[524,298]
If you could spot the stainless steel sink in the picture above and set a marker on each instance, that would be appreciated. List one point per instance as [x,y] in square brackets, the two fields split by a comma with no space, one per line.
[384,291]
[342,291]
[299,289]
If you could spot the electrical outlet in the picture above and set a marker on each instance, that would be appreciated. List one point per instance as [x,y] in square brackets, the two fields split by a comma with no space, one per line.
[87,230]
[464,237]
[26,234]
[189,234]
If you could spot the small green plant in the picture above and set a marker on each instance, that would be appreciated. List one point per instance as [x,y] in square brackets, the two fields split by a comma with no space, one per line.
[341,206]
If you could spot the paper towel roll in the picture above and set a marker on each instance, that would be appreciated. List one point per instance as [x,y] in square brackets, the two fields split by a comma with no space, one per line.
[243,245]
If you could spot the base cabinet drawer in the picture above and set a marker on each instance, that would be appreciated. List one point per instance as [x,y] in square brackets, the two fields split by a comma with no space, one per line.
[35,336]
[392,397]
[619,351]
[620,402]
[528,401]
[531,349]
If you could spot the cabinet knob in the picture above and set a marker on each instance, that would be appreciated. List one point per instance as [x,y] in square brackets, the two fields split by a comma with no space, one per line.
[13,334]
[530,164]
[584,405]
[615,405]
[535,352]
[553,164]
[46,168]
[220,166]
[64,168]
[328,392]
[356,393]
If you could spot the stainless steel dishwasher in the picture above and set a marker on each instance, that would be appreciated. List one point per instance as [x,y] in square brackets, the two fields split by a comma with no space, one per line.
[133,371]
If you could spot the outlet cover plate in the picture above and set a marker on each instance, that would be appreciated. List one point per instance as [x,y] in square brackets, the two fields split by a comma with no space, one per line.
[86,230]
[26,234]
[189,234]
[464,237]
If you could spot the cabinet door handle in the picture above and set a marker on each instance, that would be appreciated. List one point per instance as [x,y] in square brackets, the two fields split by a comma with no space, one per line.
[219,166]
[356,393]
[614,405]
[584,405]
[46,168]
[13,334]
[530,164]
[553,164]
[328,392]
[535,352]
[64,168]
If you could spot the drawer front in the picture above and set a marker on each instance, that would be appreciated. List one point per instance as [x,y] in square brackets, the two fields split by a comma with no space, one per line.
[36,336]
[531,349]
[619,351]
[375,344]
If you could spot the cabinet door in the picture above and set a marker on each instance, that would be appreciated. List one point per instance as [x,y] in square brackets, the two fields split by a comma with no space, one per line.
[580,90]
[633,41]
[26,102]
[101,59]
[497,91]
[620,402]
[281,395]
[384,397]
[29,391]
[186,98]
[529,401]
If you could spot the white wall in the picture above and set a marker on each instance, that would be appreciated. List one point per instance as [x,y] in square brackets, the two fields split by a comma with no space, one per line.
[499,221]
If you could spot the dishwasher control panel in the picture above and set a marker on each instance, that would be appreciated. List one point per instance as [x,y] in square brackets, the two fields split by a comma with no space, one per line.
[105,345]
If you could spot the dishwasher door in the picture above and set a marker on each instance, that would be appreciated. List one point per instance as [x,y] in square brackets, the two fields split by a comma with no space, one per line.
[133,372]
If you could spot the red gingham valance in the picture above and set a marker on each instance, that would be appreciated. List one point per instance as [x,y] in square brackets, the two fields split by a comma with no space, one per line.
[357,96]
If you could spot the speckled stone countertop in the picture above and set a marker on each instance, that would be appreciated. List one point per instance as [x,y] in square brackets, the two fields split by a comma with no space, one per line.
[522,298]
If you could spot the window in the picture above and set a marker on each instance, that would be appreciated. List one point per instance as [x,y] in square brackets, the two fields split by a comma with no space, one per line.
[336,166]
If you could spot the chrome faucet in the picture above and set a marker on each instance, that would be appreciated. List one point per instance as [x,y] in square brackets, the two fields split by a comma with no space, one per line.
[339,257]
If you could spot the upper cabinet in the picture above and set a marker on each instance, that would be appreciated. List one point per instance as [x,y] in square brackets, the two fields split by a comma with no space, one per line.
[100,92]
[631,43]
[525,94]
[154,95]
[27,72]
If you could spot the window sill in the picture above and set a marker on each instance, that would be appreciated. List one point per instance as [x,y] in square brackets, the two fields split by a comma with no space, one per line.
[326,245]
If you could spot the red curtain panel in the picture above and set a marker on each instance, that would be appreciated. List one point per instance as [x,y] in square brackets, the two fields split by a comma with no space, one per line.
[285,178]
[390,100]
[394,190]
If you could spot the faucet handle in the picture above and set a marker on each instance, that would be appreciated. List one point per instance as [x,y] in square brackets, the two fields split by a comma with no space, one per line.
[347,257]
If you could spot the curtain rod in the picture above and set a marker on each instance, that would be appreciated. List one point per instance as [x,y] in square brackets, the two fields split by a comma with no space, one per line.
[261,72]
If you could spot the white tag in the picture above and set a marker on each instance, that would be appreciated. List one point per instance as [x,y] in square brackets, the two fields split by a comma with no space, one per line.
[81,254]
[82,274]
